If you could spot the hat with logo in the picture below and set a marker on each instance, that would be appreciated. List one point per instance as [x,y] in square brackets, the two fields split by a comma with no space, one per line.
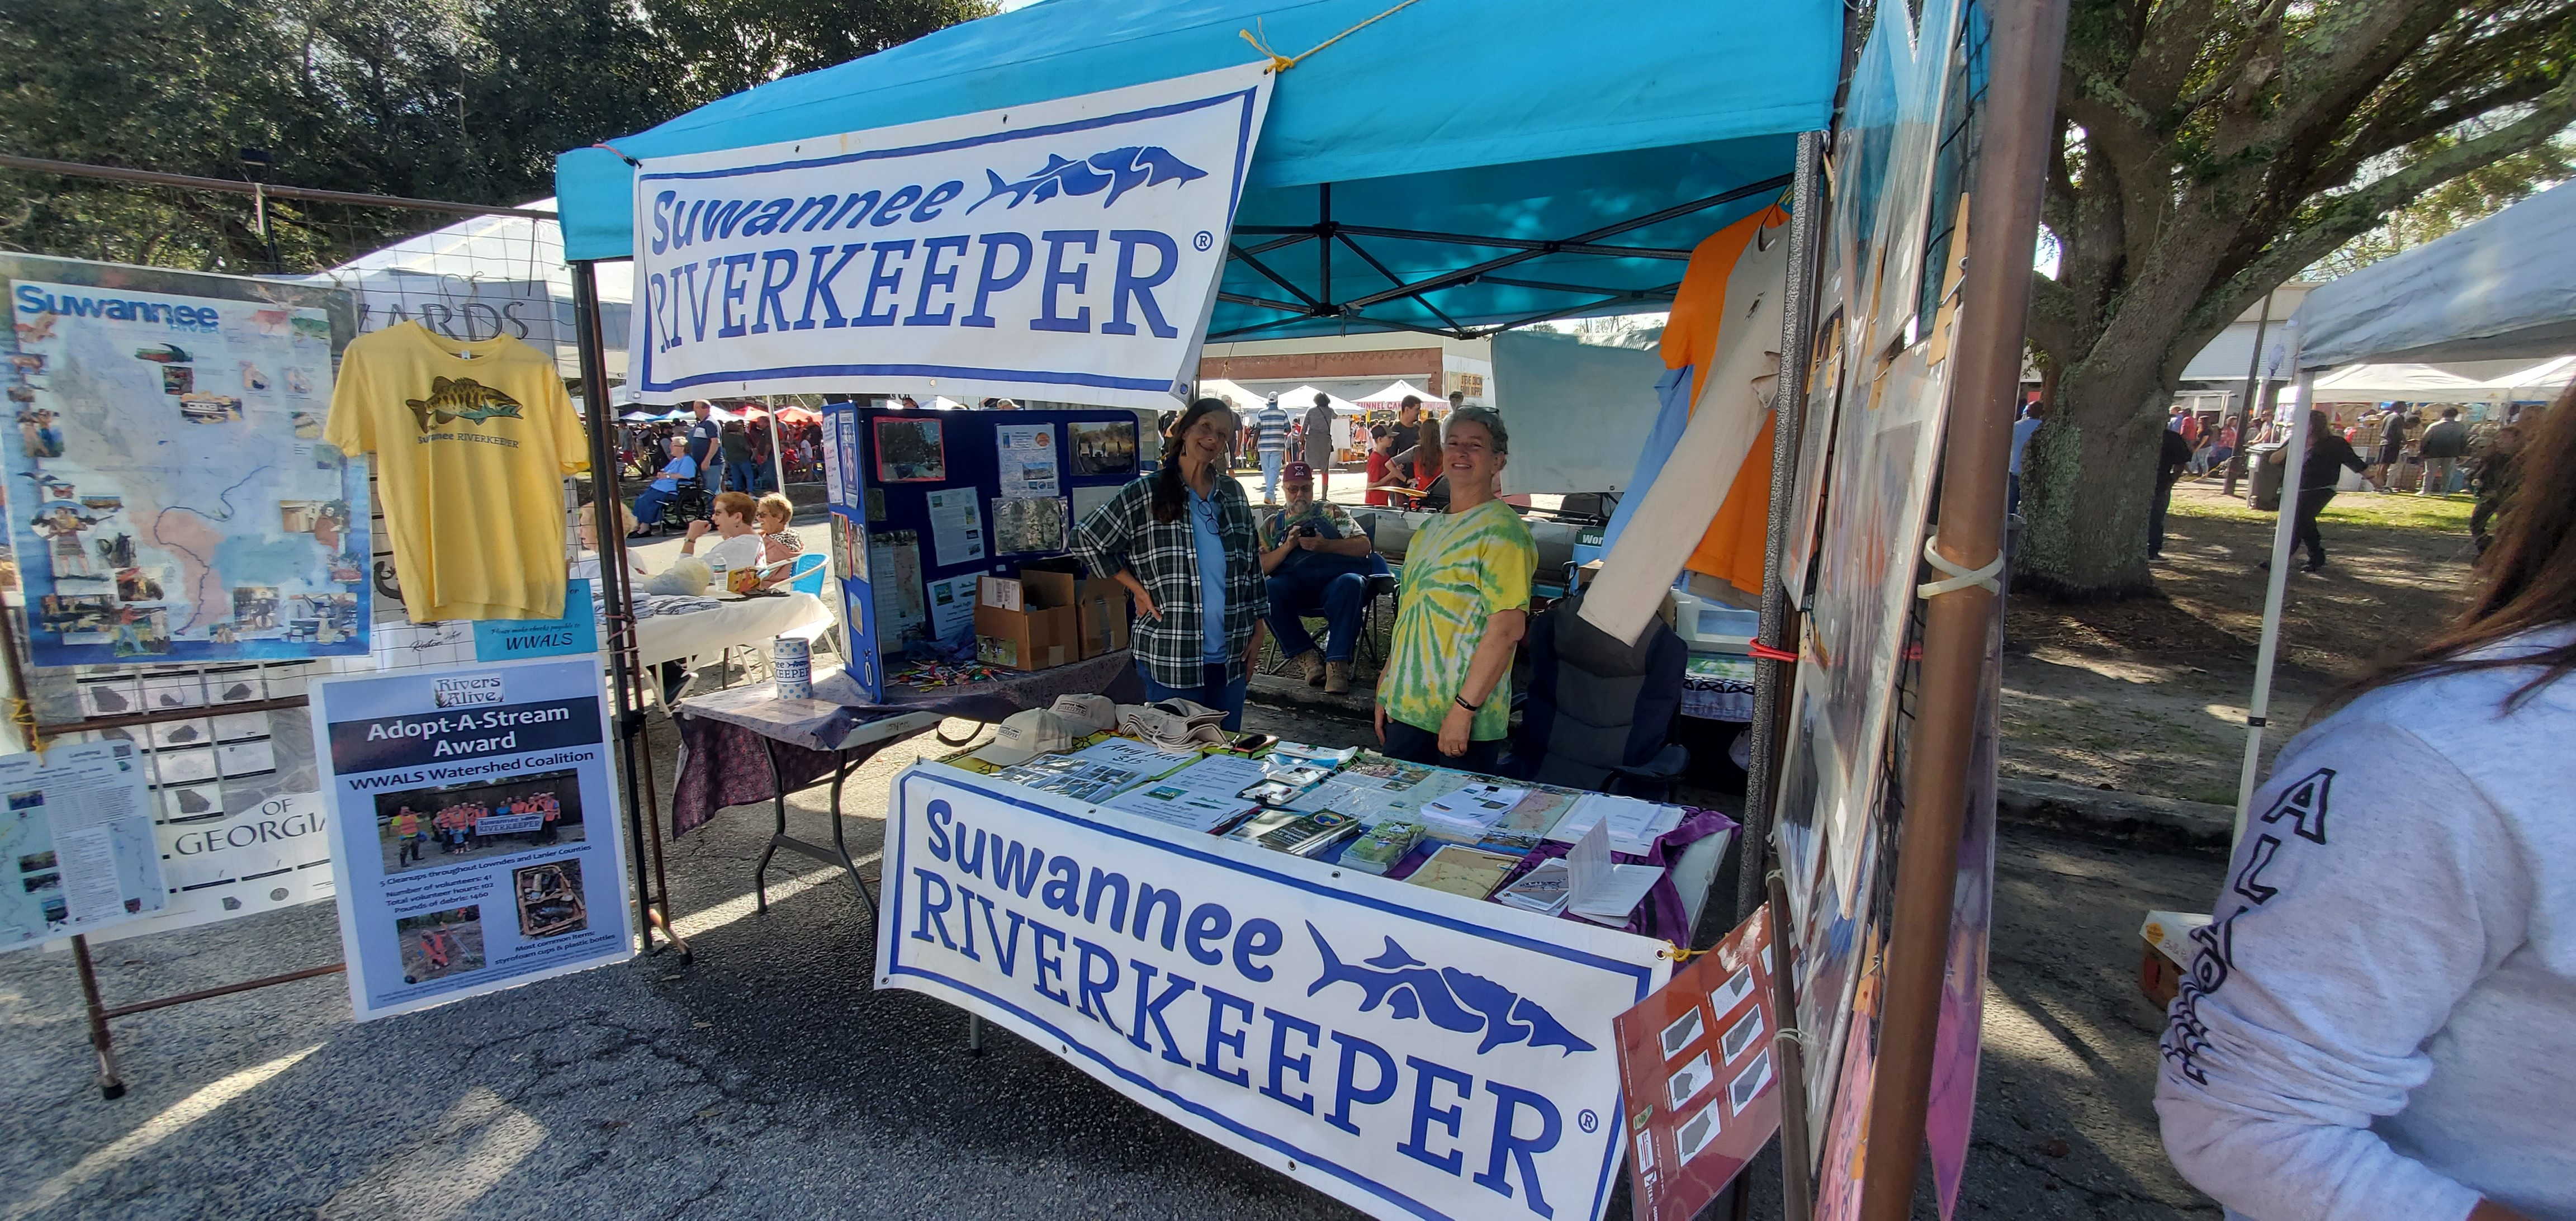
[1296,472]
[1026,735]
[1093,713]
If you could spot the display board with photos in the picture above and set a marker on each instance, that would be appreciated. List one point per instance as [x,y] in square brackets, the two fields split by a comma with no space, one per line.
[925,502]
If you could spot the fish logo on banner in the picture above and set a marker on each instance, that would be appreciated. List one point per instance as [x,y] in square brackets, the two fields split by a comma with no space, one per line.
[1446,997]
[1119,171]
[865,262]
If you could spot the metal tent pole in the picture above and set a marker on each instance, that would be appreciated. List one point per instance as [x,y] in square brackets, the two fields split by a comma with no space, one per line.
[2003,223]
[2275,590]
[1788,402]
[625,669]
[2245,413]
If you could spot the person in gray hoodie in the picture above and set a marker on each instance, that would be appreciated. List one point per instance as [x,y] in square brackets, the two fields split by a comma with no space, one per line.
[2380,1025]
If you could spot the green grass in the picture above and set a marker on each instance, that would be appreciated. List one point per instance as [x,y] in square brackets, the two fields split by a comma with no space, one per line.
[2397,511]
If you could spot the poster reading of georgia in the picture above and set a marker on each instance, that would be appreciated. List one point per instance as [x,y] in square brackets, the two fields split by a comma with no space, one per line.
[169,494]
[475,831]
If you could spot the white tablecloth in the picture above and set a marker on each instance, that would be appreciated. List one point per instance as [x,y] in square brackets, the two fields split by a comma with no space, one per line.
[746,623]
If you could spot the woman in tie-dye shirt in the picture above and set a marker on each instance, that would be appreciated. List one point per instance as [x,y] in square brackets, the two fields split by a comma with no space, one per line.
[1446,694]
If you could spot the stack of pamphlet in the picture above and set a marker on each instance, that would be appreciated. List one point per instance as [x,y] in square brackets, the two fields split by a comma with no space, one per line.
[1544,890]
[1463,815]
[1383,846]
[1294,833]
[1285,751]
[1526,825]
[1634,825]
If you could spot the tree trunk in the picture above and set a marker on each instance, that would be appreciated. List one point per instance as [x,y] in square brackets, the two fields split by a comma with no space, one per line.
[2087,481]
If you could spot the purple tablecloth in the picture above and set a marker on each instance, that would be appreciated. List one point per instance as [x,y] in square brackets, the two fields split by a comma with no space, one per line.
[722,733]
[1662,914]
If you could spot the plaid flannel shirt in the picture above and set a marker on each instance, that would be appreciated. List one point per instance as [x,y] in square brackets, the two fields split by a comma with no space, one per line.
[1122,534]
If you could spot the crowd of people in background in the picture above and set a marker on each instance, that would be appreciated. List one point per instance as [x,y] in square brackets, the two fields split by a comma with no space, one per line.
[2417,449]
[737,455]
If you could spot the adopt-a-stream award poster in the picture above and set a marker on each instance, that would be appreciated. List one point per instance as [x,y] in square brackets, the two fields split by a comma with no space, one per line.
[476,842]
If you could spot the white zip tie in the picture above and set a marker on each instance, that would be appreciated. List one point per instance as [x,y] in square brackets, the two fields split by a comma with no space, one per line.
[1959,578]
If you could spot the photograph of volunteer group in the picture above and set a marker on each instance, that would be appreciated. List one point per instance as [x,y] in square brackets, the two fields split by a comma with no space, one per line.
[1833,612]
[432,827]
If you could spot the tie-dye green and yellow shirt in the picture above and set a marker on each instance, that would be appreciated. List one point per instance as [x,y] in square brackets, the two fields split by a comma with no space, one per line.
[1460,570]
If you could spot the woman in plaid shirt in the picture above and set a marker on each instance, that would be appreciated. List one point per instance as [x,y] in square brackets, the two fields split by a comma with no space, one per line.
[1183,542]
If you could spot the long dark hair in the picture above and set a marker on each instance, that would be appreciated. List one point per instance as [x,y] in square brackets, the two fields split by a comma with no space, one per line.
[1171,496]
[2527,579]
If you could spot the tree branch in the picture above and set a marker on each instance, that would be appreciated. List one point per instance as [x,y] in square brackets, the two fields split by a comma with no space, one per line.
[2051,326]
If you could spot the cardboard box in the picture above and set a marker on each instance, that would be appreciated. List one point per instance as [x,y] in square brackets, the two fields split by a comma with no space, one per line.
[1043,634]
[1002,593]
[1104,610]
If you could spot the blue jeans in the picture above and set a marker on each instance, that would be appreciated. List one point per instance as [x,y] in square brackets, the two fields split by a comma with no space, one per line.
[1338,597]
[1214,692]
[742,477]
[648,506]
[1270,460]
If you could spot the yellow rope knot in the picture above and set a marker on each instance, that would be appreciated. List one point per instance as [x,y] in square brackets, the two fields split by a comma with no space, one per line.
[1282,63]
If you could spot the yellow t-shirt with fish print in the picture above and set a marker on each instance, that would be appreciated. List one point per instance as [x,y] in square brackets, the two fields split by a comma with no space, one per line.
[472,441]
[1459,571]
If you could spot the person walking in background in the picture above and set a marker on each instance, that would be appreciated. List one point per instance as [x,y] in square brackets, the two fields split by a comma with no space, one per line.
[2382,1021]
[2392,444]
[2326,452]
[1183,542]
[1446,694]
[2174,455]
[735,445]
[704,453]
[2444,444]
[1318,450]
[2022,429]
[1270,440]
[1317,562]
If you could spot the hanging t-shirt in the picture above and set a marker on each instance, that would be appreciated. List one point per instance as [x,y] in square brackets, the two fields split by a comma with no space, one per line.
[472,441]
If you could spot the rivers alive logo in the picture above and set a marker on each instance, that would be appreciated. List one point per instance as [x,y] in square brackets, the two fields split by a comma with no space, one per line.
[1446,997]
[1117,171]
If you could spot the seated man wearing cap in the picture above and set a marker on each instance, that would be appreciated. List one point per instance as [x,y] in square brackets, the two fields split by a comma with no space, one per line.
[1317,562]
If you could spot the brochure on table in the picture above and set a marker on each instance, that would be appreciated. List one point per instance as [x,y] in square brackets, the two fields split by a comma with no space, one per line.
[475,837]
[1410,1052]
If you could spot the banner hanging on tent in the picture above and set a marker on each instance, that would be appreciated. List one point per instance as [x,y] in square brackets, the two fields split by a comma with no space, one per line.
[1064,251]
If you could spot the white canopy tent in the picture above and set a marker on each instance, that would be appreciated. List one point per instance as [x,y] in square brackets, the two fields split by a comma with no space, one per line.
[2410,383]
[1243,401]
[2501,289]
[1393,397]
[1301,400]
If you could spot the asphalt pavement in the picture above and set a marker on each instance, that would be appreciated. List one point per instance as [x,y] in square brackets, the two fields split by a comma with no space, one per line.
[764,1078]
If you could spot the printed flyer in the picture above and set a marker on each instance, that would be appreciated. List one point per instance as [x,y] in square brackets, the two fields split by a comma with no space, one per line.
[476,843]
[76,850]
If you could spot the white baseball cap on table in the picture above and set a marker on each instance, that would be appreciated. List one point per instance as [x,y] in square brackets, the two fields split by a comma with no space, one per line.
[1026,735]
[1096,713]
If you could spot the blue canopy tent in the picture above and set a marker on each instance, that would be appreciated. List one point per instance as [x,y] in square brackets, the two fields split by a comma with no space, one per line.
[1450,167]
